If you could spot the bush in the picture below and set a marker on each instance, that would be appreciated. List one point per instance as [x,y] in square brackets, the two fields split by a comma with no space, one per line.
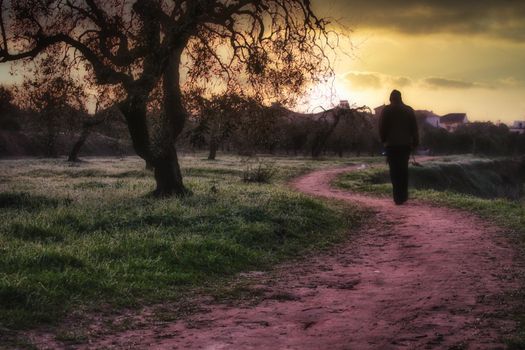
[260,172]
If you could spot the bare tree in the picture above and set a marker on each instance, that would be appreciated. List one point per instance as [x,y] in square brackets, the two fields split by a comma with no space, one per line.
[272,47]
[324,126]
[216,118]
[259,129]
[354,132]
[55,97]
[98,118]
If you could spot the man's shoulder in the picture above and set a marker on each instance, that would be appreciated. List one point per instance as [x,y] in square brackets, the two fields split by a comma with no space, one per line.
[388,108]
[397,109]
[409,108]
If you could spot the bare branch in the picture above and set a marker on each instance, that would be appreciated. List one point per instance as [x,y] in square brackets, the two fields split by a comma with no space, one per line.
[2,28]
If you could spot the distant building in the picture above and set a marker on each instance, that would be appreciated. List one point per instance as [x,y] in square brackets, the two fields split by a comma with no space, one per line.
[344,104]
[429,117]
[452,121]
[379,110]
[518,127]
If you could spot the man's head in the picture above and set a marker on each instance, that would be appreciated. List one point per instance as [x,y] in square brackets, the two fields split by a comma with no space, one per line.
[395,97]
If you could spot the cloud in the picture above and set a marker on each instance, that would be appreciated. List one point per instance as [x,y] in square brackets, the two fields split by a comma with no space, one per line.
[448,83]
[511,82]
[364,80]
[443,83]
[400,81]
[375,81]
[495,18]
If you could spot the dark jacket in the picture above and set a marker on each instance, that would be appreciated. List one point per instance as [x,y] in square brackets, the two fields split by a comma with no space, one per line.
[398,126]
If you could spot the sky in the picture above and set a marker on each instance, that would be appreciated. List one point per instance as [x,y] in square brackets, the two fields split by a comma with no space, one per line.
[444,55]
[447,56]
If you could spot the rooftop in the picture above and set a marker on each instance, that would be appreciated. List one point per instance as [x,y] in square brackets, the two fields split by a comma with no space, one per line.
[453,118]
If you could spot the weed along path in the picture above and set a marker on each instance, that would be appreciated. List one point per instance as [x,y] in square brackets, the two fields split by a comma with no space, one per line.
[417,277]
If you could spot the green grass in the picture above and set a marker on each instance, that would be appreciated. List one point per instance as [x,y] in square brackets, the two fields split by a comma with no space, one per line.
[89,237]
[473,185]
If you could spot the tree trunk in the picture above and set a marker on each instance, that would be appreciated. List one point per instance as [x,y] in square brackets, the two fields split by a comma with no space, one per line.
[168,176]
[213,150]
[73,155]
[166,166]
[87,126]
[163,159]
[322,136]
[51,146]
[51,136]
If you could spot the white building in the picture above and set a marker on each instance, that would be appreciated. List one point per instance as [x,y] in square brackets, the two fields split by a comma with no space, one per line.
[452,121]
[344,104]
[518,127]
[431,118]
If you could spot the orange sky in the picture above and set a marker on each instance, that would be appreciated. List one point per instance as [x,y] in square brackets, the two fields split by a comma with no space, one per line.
[446,56]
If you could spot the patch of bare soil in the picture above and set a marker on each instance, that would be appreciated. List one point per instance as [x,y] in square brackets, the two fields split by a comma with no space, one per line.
[418,277]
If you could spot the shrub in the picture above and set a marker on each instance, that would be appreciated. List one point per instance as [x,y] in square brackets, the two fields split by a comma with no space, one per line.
[260,172]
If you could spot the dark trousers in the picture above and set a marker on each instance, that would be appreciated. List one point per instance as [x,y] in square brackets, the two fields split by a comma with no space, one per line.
[397,157]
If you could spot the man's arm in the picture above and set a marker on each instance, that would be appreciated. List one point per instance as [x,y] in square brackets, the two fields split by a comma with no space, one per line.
[414,129]
[383,127]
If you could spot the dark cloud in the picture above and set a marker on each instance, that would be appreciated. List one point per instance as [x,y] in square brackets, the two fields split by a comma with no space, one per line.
[496,18]
[438,83]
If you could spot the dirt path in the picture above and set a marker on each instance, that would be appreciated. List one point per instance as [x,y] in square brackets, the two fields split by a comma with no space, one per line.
[419,277]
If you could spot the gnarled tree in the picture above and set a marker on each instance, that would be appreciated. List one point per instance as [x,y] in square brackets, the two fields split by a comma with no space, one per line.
[272,47]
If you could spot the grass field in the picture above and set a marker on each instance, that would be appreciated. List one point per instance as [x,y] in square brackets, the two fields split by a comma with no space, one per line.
[89,237]
[490,188]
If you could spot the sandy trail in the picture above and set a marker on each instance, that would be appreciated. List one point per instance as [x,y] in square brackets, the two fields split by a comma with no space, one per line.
[418,277]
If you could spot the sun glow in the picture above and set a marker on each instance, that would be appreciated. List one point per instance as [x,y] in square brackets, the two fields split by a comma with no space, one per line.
[443,73]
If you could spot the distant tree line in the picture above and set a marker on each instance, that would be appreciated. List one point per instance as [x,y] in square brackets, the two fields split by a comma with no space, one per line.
[50,119]
[43,111]
[481,138]
[233,123]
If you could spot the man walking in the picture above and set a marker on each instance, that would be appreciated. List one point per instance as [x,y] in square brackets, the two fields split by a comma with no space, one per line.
[399,134]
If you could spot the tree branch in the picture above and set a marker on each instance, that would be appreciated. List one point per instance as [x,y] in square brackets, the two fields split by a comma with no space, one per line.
[2,27]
